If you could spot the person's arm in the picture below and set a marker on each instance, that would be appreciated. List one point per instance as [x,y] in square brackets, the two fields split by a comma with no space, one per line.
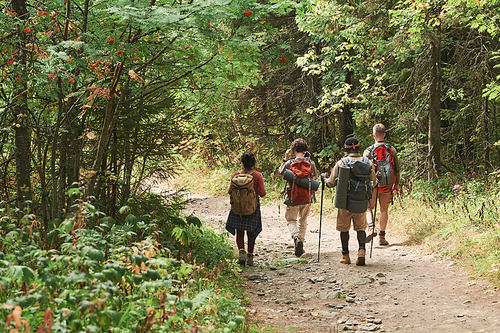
[259,179]
[286,162]
[332,180]
[396,163]
[367,153]
[373,177]
[314,169]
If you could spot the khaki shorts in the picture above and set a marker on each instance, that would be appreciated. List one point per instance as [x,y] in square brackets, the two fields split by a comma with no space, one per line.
[384,201]
[345,217]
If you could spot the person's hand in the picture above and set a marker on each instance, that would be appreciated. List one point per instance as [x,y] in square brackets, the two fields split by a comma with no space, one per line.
[396,188]
[323,177]
[287,154]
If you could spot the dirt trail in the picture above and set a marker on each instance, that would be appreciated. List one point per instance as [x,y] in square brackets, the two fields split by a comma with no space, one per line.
[399,289]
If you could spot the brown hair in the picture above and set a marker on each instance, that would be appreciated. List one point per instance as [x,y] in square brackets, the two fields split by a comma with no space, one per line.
[299,145]
[379,129]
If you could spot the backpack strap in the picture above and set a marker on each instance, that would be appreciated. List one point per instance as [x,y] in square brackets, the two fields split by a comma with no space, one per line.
[389,148]
[371,149]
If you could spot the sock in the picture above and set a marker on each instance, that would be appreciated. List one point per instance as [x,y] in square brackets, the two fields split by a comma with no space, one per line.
[361,239]
[344,239]
[382,233]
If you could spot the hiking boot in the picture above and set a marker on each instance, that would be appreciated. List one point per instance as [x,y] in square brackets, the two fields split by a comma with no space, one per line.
[345,259]
[361,257]
[249,259]
[299,247]
[369,235]
[382,241]
[242,257]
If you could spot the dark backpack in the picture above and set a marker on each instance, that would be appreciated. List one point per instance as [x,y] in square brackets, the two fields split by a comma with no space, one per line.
[243,199]
[299,195]
[360,186]
[385,168]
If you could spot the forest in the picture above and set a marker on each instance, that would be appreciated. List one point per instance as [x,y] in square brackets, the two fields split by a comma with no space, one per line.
[100,100]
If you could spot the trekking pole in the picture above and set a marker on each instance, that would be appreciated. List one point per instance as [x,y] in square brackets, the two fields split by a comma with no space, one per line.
[320,216]
[373,221]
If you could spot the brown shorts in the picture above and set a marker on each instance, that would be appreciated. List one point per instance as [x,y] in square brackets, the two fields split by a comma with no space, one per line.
[384,200]
[345,217]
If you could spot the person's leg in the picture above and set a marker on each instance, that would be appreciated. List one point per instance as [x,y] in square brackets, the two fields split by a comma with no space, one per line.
[359,224]
[343,225]
[385,201]
[384,217]
[369,217]
[242,254]
[291,217]
[344,240]
[361,239]
[291,220]
[362,250]
[240,241]
[303,214]
[251,245]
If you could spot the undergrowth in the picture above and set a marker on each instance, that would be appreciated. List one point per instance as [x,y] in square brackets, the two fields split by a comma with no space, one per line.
[137,273]
[457,220]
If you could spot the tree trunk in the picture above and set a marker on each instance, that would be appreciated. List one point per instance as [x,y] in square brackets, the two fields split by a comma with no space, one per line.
[20,114]
[115,171]
[434,141]
[487,162]
[345,118]
[129,159]
[106,129]
[63,160]
[54,154]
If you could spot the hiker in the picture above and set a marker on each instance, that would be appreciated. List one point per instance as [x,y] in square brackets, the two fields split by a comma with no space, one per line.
[346,216]
[300,208]
[251,222]
[386,163]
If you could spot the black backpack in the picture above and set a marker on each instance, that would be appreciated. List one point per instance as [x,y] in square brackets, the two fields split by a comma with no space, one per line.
[360,186]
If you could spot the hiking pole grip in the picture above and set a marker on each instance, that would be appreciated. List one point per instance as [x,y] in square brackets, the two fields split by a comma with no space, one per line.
[320,217]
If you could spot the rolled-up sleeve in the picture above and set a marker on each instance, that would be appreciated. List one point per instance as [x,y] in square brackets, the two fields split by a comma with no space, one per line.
[332,180]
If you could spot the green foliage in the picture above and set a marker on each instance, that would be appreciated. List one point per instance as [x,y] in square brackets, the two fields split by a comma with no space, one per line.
[94,281]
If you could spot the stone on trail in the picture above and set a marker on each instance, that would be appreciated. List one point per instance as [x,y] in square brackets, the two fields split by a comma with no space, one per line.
[363,281]
[326,314]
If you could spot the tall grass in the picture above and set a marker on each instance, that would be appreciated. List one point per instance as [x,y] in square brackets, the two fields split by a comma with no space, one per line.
[457,220]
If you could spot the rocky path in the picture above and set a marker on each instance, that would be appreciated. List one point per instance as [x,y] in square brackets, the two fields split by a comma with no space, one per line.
[399,290]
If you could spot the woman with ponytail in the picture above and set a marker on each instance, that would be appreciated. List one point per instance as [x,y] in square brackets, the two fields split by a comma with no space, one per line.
[252,224]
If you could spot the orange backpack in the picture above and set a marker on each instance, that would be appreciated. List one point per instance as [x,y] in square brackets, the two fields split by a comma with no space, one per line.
[299,195]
